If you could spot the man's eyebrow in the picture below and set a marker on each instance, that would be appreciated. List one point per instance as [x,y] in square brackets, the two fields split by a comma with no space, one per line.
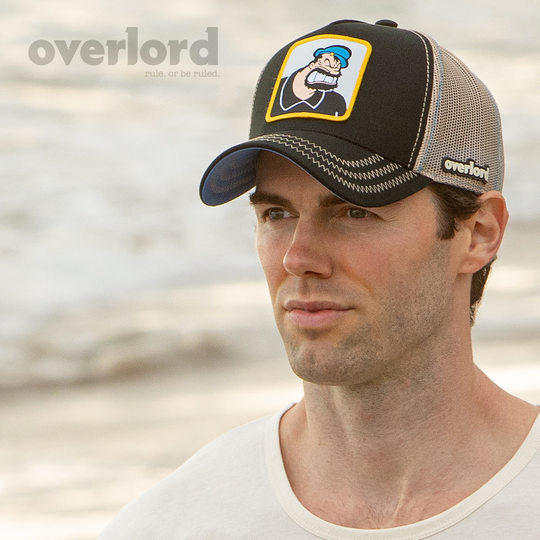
[333,200]
[329,200]
[263,197]
[325,201]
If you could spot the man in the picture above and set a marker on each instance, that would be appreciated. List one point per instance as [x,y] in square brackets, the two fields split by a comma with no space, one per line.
[375,232]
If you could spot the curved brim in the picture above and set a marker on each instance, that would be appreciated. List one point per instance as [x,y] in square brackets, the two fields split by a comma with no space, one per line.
[349,171]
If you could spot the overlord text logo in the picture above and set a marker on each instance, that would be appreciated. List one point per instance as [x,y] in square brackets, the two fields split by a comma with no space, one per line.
[152,52]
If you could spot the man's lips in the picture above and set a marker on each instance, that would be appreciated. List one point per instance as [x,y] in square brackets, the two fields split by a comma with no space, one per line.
[314,314]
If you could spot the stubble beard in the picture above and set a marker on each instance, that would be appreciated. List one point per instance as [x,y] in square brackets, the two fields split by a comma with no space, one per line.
[398,347]
[320,361]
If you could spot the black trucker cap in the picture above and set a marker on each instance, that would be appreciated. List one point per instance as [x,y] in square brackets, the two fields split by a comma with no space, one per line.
[373,112]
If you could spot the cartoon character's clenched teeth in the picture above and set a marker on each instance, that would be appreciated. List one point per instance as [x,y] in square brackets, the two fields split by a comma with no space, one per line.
[320,80]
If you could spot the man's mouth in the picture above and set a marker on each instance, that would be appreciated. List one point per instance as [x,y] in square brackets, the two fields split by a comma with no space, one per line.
[314,314]
[321,80]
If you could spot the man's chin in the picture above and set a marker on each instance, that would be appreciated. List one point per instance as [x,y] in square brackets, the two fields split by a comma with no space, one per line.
[315,362]
[323,375]
[322,357]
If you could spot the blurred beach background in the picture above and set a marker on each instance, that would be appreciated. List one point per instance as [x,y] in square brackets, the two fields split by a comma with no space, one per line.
[135,324]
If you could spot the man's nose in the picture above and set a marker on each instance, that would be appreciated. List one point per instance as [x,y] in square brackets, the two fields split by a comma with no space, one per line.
[308,254]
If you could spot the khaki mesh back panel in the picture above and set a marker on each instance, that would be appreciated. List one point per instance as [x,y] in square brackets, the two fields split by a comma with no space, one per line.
[454,128]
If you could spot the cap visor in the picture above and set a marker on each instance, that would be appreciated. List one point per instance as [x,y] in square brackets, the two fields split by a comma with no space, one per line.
[349,171]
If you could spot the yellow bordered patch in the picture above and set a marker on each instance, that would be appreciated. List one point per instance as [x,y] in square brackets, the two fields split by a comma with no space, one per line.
[319,78]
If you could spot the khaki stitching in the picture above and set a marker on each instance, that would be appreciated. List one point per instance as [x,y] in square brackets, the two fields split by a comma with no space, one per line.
[425,96]
[307,151]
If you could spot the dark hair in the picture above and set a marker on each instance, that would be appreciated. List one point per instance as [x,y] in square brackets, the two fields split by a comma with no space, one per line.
[454,205]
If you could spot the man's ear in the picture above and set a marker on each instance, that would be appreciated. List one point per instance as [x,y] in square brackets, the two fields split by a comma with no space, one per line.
[486,228]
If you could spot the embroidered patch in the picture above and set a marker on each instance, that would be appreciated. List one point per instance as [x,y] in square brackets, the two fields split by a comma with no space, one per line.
[319,78]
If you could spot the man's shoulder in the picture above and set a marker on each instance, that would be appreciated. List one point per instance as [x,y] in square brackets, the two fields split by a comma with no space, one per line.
[226,451]
[206,484]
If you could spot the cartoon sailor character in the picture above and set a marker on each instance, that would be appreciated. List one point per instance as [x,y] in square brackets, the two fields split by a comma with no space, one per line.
[312,88]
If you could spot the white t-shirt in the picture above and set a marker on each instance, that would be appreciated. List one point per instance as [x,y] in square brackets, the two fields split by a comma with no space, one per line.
[236,488]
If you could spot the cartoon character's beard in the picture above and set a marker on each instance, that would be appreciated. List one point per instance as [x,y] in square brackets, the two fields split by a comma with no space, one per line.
[318,79]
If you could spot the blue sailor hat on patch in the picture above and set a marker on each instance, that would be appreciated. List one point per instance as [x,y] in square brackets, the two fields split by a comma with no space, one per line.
[341,53]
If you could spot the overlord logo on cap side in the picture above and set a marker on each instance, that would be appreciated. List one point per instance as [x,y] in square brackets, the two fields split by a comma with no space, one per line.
[319,78]
[468,169]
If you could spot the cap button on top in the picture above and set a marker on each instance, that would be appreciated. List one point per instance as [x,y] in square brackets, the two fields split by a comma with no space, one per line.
[387,22]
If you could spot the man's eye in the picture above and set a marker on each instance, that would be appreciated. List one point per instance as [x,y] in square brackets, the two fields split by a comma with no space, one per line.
[358,213]
[274,214]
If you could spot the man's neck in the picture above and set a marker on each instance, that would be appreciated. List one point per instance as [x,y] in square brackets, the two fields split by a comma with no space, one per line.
[384,455]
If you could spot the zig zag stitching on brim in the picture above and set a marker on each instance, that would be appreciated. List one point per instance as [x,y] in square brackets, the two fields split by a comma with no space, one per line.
[279,138]
[383,186]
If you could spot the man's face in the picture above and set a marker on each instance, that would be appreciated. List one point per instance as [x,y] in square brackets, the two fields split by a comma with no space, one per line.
[358,294]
